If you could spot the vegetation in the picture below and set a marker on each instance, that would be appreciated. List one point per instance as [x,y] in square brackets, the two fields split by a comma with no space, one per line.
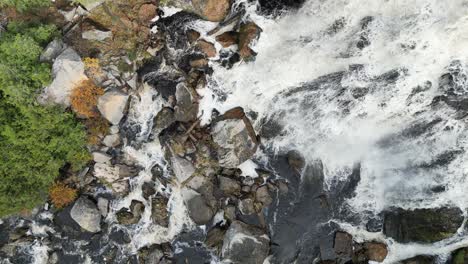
[97,128]
[84,98]
[62,195]
[35,141]
[23,5]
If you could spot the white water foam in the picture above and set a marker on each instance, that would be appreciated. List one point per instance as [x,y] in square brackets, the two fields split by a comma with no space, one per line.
[418,38]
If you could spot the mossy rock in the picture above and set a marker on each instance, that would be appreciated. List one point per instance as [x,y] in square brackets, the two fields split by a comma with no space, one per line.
[460,256]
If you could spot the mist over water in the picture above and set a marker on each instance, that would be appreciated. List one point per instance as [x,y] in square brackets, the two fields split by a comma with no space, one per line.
[352,82]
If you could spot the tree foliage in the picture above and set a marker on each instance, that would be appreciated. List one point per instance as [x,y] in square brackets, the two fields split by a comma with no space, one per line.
[35,140]
[23,5]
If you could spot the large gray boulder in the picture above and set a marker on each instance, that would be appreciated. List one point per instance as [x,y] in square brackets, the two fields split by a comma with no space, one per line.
[112,106]
[422,225]
[53,50]
[67,71]
[235,142]
[86,214]
[197,207]
[244,244]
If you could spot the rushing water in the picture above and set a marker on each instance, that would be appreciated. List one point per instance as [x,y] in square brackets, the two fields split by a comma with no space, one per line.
[381,83]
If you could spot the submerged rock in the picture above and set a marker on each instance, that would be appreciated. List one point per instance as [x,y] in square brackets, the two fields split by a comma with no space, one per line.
[248,33]
[159,212]
[86,214]
[244,244]
[112,106]
[422,225]
[126,217]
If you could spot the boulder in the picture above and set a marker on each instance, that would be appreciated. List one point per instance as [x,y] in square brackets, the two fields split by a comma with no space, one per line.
[197,207]
[100,157]
[370,251]
[86,214]
[132,216]
[95,34]
[91,4]
[235,142]
[52,51]
[148,189]
[460,256]
[263,195]
[112,106]
[111,141]
[207,48]
[151,255]
[228,185]
[247,207]
[147,12]
[422,225]
[343,246]
[186,109]
[159,212]
[103,206]
[228,39]
[248,33]
[245,244]
[182,168]
[212,10]
[113,177]
[67,72]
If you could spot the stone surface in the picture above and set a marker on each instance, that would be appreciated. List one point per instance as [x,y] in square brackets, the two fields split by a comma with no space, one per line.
[112,106]
[244,244]
[67,72]
[147,12]
[234,141]
[343,246]
[422,225]
[186,108]
[420,260]
[197,207]
[95,34]
[182,168]
[100,157]
[228,185]
[263,195]
[132,216]
[111,140]
[228,39]
[52,51]
[212,10]
[248,33]
[246,206]
[207,48]
[159,212]
[103,206]
[86,214]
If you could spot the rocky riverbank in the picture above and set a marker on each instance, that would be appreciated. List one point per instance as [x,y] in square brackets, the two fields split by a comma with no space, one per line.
[163,187]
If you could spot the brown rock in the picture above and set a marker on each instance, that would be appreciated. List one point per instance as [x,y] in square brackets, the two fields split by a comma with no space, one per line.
[159,213]
[343,244]
[234,113]
[212,10]
[207,48]
[376,251]
[199,63]
[247,34]
[228,38]
[147,12]
[192,35]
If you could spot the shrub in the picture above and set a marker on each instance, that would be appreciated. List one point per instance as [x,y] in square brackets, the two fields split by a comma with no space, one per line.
[97,128]
[35,141]
[61,195]
[84,98]
[23,5]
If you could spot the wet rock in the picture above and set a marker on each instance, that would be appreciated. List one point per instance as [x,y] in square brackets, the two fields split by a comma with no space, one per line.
[112,106]
[52,50]
[420,260]
[296,160]
[111,141]
[459,256]
[245,244]
[199,63]
[228,185]
[96,34]
[159,212]
[247,207]
[163,119]
[120,237]
[197,207]
[343,246]
[422,225]
[370,251]
[151,255]
[67,71]
[207,48]
[228,39]
[230,212]
[186,108]
[277,6]
[182,168]
[126,217]
[235,140]
[100,157]
[147,12]
[214,238]
[192,35]
[212,10]
[248,33]
[86,214]
[262,195]
[148,189]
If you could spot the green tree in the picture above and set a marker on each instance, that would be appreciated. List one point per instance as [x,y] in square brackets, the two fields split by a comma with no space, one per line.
[23,5]
[35,140]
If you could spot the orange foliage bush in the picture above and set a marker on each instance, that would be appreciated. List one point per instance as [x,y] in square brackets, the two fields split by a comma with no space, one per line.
[84,98]
[62,195]
[97,128]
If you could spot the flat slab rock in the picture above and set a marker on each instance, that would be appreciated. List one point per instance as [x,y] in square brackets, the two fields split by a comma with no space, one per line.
[112,106]
[87,215]
[244,244]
